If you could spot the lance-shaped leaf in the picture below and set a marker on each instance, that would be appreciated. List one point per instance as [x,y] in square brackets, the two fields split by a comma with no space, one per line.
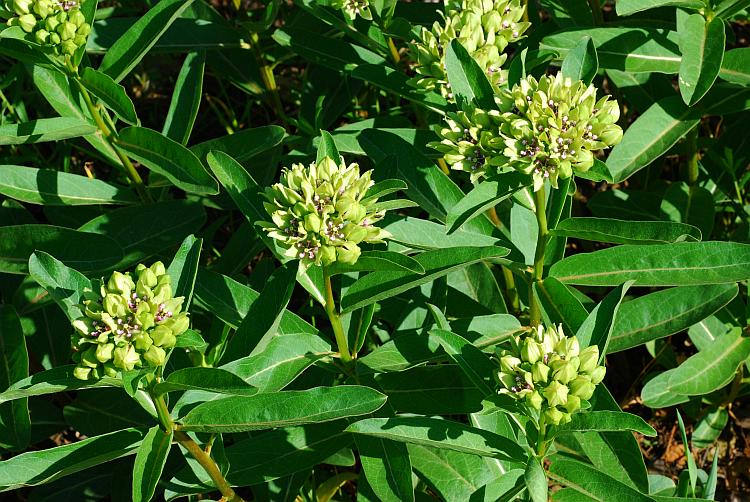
[283,409]
[379,285]
[597,327]
[57,188]
[592,482]
[467,79]
[327,148]
[736,66]
[702,44]
[149,463]
[387,467]
[242,145]
[682,263]
[439,433]
[63,283]
[59,379]
[603,421]
[186,98]
[472,361]
[15,426]
[209,379]
[628,7]
[535,480]
[110,93]
[560,305]
[581,62]
[626,232]
[382,261]
[37,131]
[657,394]
[184,268]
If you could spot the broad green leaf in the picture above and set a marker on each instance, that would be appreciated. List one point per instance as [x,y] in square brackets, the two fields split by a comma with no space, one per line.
[422,234]
[692,205]
[149,463]
[597,327]
[209,379]
[439,433]
[736,66]
[83,251]
[334,53]
[628,7]
[581,62]
[191,340]
[387,467]
[137,238]
[560,305]
[110,93]
[378,261]
[702,44]
[282,409]
[650,136]
[184,269]
[710,427]
[59,379]
[631,205]
[592,482]
[628,49]
[626,232]
[601,421]
[242,145]
[712,368]
[15,426]
[377,286]
[130,48]
[37,467]
[168,158]
[57,188]
[383,188]
[327,148]
[535,480]
[186,98]
[472,361]
[682,263]
[40,130]
[64,284]
[703,333]
[657,394]
[484,196]
[467,79]
[666,312]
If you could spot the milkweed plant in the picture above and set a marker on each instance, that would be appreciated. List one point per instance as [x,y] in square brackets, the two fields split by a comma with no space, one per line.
[357,250]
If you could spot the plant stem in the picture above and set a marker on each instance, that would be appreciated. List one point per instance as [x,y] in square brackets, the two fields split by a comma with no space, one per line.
[541,242]
[596,10]
[333,316]
[394,51]
[269,80]
[203,458]
[541,443]
[692,160]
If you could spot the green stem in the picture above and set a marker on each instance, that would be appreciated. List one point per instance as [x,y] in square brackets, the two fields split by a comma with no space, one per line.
[541,242]
[333,316]
[596,10]
[394,51]
[692,160]
[541,443]
[269,80]
[162,412]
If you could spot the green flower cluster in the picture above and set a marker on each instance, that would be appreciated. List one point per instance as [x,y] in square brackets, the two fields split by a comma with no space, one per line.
[354,8]
[547,128]
[128,324]
[549,373]
[320,214]
[57,24]
[484,28]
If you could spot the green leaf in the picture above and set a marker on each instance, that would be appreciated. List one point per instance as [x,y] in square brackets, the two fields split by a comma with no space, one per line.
[378,261]
[592,482]
[138,239]
[581,62]
[168,158]
[693,205]
[387,467]
[90,252]
[628,7]
[682,263]
[626,232]
[666,312]
[472,361]
[657,394]
[209,379]
[40,130]
[327,148]
[56,188]
[63,284]
[15,426]
[422,234]
[597,327]
[37,467]
[439,433]
[184,268]
[110,93]
[186,98]
[600,421]
[628,49]
[282,409]
[692,468]
[484,196]
[242,145]
[702,44]
[377,286]
[560,305]
[383,188]
[59,379]
[712,368]
[397,82]
[650,136]
[710,427]
[467,79]
[149,463]
[536,480]
[736,66]
[130,48]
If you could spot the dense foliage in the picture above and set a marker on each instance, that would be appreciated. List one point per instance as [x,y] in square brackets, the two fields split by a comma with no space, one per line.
[374,250]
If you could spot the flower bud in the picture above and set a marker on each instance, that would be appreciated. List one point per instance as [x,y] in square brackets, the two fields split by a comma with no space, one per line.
[21,7]
[104,352]
[553,416]
[564,370]
[163,337]
[589,358]
[115,305]
[597,375]
[81,372]
[88,358]
[573,404]
[155,356]
[27,22]
[125,358]
[540,372]
[147,278]
[534,400]
[110,370]
[556,394]
[582,387]
[41,36]
[531,351]
[509,364]
[568,347]
[180,323]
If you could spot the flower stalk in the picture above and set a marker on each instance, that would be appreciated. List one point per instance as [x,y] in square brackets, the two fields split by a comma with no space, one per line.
[541,243]
[333,316]
[209,465]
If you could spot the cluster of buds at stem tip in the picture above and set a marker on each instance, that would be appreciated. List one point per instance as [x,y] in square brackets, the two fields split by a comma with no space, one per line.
[483,27]
[128,324]
[547,128]
[57,24]
[354,8]
[549,373]
[320,214]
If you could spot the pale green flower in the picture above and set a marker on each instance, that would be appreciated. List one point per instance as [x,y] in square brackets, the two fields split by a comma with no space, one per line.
[59,25]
